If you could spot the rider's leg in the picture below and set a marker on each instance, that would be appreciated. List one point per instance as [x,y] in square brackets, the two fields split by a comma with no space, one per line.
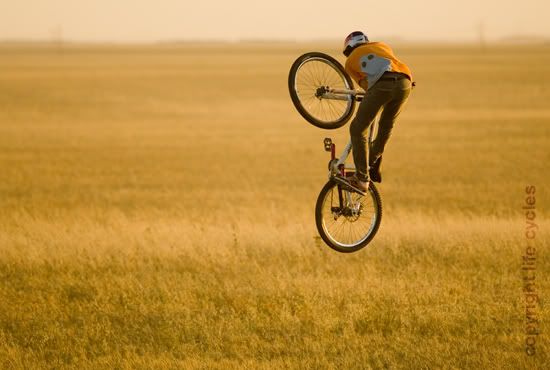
[368,109]
[390,112]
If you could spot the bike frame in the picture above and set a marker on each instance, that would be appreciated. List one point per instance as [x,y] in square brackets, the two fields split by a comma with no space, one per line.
[339,165]
[343,94]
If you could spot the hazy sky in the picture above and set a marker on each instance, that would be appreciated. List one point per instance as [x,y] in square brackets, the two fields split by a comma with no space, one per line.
[152,20]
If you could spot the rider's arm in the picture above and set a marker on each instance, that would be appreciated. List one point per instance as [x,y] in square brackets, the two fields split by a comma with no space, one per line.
[353,69]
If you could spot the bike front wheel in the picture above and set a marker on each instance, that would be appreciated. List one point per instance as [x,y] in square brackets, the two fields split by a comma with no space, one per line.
[311,78]
[347,221]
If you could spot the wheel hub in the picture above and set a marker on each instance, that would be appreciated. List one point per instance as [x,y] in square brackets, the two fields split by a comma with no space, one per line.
[351,213]
[321,91]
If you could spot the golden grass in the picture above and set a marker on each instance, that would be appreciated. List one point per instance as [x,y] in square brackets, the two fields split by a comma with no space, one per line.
[156,211]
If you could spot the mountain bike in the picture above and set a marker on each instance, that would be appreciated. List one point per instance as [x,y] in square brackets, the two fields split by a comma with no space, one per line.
[347,218]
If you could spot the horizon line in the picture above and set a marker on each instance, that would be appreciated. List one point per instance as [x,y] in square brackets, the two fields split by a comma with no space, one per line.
[519,38]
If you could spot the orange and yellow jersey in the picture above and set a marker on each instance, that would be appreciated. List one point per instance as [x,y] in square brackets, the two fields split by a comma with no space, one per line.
[369,61]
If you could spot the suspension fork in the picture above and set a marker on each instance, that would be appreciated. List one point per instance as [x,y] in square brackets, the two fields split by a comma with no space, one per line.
[340,191]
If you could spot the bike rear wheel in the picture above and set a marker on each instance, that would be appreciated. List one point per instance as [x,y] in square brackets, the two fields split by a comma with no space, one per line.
[311,76]
[347,221]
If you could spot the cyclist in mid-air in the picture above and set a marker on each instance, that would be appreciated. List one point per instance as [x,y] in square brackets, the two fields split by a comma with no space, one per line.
[387,82]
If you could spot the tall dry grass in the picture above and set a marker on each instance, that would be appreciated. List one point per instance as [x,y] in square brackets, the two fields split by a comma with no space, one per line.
[156,210]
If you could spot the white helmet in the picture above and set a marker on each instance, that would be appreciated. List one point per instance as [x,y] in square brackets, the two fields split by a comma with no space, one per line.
[353,40]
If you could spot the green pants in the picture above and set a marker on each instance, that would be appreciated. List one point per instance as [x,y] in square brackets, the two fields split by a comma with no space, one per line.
[388,96]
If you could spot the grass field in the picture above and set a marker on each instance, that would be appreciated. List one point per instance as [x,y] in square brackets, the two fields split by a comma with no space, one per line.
[156,211]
